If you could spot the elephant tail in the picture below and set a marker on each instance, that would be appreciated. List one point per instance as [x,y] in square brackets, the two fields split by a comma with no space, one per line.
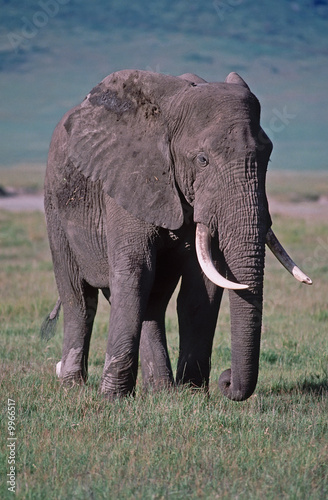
[48,327]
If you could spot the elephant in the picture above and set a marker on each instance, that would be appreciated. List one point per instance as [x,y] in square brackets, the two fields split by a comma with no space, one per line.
[155,180]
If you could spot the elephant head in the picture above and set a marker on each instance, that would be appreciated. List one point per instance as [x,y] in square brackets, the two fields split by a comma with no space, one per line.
[164,147]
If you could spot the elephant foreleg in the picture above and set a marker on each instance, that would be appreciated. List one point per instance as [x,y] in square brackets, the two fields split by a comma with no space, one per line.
[129,298]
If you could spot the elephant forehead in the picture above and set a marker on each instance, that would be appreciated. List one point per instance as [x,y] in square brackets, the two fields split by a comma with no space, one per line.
[220,102]
[239,135]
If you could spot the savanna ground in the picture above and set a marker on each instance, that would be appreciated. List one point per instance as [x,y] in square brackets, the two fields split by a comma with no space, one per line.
[71,444]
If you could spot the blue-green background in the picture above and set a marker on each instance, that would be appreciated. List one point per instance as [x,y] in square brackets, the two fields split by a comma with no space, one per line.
[52,52]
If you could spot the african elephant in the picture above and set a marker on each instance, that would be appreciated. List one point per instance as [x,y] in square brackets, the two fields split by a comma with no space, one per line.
[153,178]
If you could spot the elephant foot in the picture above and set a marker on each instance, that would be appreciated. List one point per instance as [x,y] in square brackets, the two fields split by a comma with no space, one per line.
[114,396]
[156,377]
[73,380]
[151,386]
[194,387]
[71,370]
[194,373]
[119,376]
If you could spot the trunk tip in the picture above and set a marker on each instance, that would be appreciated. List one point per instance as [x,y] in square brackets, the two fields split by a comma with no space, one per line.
[235,394]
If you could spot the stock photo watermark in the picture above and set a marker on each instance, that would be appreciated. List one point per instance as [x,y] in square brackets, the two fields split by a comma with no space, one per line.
[31,26]
[280,120]
[11,445]
[319,257]
[224,7]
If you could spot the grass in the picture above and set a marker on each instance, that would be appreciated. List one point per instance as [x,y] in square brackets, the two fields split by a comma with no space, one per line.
[28,177]
[71,444]
[305,186]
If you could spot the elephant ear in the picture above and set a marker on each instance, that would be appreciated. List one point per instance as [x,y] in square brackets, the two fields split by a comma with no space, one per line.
[120,134]
[235,78]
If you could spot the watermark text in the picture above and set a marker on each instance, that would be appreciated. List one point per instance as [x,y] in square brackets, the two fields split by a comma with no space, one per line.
[32,25]
[11,445]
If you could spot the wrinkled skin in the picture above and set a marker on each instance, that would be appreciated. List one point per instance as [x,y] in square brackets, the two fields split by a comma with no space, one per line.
[130,172]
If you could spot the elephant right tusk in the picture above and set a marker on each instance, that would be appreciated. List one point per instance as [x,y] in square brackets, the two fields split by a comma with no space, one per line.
[280,253]
[204,255]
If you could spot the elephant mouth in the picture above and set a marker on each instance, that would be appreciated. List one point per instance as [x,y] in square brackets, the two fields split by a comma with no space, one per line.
[204,255]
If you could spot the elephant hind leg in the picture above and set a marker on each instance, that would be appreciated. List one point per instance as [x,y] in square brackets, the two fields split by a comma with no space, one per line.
[79,301]
[79,314]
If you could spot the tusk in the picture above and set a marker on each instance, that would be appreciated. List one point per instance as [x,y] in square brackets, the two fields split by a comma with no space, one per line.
[204,255]
[280,253]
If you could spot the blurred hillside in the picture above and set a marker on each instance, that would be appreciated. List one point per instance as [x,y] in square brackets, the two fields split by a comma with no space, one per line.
[52,52]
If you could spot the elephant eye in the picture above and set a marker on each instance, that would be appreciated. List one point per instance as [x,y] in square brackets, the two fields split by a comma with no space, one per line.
[202,159]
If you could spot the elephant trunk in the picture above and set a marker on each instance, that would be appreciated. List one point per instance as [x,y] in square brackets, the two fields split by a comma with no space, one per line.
[239,382]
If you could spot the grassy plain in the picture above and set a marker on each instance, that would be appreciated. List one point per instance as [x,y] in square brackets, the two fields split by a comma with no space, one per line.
[173,445]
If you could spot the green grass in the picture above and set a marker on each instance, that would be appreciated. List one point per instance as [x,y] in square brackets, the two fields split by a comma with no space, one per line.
[303,186]
[71,444]
[26,176]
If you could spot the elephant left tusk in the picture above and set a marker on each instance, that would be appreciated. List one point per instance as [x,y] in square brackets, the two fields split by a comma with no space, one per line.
[280,253]
[204,255]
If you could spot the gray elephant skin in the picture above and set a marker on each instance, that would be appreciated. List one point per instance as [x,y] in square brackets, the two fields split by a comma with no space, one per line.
[144,166]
